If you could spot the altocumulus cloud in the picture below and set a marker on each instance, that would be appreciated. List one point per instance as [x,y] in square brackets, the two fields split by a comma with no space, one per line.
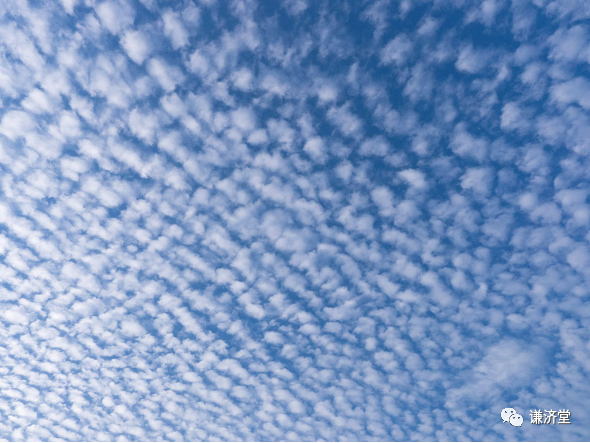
[249,220]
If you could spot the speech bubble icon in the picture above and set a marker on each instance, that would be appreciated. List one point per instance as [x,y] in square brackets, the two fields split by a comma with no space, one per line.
[506,413]
[516,420]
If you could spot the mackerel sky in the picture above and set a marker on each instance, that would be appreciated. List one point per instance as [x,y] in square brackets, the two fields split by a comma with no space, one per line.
[294,220]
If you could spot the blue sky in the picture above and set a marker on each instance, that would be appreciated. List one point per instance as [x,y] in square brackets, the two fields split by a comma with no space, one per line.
[295,220]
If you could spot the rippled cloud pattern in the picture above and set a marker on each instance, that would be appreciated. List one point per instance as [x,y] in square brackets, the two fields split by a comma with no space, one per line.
[293,220]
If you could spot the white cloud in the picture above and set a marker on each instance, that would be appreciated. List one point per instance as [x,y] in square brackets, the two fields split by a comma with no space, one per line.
[167,76]
[175,30]
[466,145]
[513,117]
[16,124]
[69,5]
[115,16]
[132,328]
[315,148]
[273,337]
[414,178]
[507,365]
[244,119]
[295,7]
[375,146]
[477,179]
[576,90]
[137,45]
[569,43]
[69,125]
[14,316]
[242,79]
[348,123]
[258,137]
[579,259]
[471,61]
[37,102]
[143,126]
[397,50]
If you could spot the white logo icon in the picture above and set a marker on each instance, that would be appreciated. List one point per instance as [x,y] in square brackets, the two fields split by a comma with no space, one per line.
[510,415]
[516,420]
[506,413]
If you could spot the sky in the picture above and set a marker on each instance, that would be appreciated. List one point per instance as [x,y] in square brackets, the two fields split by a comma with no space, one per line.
[294,220]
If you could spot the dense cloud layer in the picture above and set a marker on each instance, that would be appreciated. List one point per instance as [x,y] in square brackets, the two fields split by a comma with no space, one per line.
[293,220]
